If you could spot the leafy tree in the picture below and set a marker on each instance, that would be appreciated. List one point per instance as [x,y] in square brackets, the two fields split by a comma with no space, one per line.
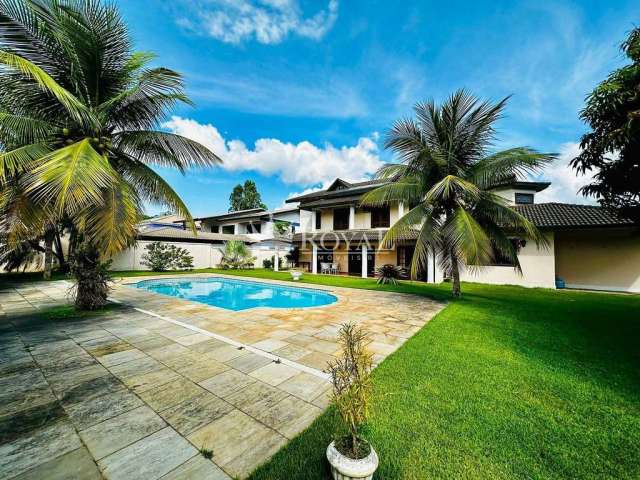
[244,197]
[446,174]
[161,257]
[612,147]
[78,112]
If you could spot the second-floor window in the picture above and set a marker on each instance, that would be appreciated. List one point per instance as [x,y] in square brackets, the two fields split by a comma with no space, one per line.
[524,198]
[380,217]
[215,228]
[254,228]
[228,229]
[341,219]
[318,220]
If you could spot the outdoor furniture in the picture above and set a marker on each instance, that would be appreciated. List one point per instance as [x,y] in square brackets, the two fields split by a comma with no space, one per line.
[296,275]
[325,267]
[334,268]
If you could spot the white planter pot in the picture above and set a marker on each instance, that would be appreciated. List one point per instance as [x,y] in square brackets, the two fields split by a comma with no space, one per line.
[345,468]
[296,275]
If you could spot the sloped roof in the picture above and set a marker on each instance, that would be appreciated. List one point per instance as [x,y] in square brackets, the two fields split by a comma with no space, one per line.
[237,215]
[349,188]
[175,234]
[567,215]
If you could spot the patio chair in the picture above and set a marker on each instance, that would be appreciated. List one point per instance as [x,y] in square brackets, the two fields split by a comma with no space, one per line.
[334,268]
[325,267]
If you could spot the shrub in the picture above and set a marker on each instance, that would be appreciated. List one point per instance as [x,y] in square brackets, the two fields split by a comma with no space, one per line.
[161,257]
[351,380]
[389,274]
[267,263]
[236,255]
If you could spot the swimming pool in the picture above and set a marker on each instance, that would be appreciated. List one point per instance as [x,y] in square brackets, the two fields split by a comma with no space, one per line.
[237,294]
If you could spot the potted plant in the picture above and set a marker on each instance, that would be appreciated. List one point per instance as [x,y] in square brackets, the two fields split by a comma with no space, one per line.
[350,455]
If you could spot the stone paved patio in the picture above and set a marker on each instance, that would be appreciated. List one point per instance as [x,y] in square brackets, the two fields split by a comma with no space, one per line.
[136,392]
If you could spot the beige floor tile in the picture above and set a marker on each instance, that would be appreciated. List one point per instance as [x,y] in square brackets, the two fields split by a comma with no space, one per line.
[274,373]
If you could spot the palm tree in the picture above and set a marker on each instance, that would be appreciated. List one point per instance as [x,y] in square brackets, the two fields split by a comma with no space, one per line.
[79,112]
[446,175]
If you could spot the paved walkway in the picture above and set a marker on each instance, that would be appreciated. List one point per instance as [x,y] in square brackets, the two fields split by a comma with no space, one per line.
[138,391]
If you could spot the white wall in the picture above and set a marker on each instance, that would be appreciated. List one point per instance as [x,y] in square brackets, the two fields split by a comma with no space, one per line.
[538,269]
[205,255]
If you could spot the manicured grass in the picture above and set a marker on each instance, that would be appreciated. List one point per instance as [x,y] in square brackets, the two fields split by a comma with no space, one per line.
[507,382]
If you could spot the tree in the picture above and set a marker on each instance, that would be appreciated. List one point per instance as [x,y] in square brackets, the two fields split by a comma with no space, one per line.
[244,197]
[78,117]
[446,174]
[612,148]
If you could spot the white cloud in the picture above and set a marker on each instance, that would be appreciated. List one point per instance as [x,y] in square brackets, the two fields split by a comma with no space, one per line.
[565,181]
[268,21]
[302,164]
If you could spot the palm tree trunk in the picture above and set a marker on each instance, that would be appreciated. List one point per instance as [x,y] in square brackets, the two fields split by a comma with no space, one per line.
[48,254]
[455,276]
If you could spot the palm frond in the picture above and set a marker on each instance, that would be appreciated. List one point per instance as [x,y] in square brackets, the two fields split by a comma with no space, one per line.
[71,178]
[73,106]
[152,188]
[508,165]
[112,227]
[408,190]
[20,130]
[452,189]
[465,236]
[21,159]
[165,149]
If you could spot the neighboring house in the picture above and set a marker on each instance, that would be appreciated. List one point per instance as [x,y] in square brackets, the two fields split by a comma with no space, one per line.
[588,247]
[258,223]
[205,248]
[253,227]
[173,221]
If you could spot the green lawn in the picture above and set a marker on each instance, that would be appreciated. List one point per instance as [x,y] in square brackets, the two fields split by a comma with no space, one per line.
[505,383]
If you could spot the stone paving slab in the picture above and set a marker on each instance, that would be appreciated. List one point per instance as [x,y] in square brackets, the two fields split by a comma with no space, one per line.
[126,395]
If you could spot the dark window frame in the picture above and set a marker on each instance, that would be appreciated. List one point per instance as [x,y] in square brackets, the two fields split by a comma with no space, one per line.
[343,218]
[520,196]
[380,217]
[215,228]
[318,220]
[225,229]
[254,228]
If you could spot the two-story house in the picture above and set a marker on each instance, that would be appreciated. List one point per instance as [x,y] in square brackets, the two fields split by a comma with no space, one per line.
[257,224]
[338,231]
[588,246]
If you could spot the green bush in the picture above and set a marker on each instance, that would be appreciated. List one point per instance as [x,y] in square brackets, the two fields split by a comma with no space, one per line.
[161,257]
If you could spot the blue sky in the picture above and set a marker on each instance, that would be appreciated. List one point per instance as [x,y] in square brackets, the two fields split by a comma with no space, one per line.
[292,93]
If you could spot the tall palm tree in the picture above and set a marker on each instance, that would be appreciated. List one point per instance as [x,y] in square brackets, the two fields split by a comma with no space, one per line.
[446,173]
[79,112]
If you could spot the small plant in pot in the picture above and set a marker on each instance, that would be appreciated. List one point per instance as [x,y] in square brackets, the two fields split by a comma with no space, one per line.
[350,455]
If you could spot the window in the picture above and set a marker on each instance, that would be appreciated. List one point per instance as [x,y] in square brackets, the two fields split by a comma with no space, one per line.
[215,228]
[254,228]
[318,220]
[341,218]
[501,260]
[228,229]
[524,198]
[380,217]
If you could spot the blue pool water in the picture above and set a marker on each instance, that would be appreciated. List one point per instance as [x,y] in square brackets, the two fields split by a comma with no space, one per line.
[238,294]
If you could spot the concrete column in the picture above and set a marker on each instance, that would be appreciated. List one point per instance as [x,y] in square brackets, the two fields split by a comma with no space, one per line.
[314,259]
[400,210]
[276,260]
[352,217]
[364,261]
